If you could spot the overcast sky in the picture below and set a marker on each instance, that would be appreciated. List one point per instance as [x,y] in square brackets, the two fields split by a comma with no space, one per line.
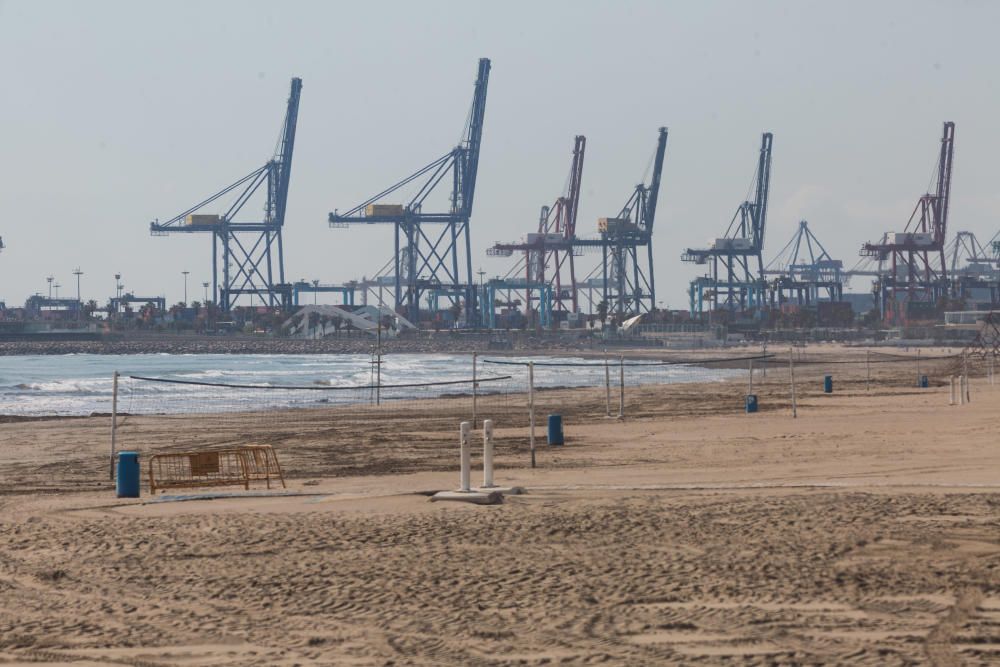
[115,113]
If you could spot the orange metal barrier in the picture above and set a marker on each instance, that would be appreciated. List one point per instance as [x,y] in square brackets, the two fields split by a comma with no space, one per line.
[218,467]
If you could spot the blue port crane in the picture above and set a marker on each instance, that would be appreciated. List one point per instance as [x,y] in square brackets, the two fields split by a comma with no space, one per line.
[736,275]
[426,259]
[248,250]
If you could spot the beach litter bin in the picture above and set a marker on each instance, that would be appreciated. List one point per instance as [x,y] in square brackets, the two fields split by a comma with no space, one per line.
[127,481]
[751,403]
[555,430]
[827,384]
[922,382]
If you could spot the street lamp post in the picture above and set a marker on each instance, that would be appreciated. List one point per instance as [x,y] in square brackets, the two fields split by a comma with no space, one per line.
[205,285]
[185,287]
[49,280]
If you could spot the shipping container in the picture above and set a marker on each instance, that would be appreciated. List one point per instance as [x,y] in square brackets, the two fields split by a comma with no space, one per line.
[383,209]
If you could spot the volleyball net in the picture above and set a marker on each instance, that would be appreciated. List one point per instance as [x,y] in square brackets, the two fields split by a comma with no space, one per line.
[322,430]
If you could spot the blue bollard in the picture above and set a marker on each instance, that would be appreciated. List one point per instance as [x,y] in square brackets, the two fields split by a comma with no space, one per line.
[555,430]
[922,382]
[827,384]
[127,483]
[751,403]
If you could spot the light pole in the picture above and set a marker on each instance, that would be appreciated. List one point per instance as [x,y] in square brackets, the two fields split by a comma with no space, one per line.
[185,287]
[49,279]
[205,285]
[79,313]
[57,286]
[481,301]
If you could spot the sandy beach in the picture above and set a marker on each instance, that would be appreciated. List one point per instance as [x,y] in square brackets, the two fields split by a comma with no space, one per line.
[865,531]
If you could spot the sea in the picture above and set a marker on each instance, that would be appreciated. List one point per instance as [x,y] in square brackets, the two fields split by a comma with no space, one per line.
[81,384]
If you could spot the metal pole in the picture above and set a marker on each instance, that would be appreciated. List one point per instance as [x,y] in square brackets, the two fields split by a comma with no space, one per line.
[951,397]
[868,370]
[965,371]
[607,384]
[475,392]
[466,456]
[750,386]
[621,387]
[918,367]
[531,409]
[764,361]
[791,372]
[378,361]
[114,421]
[488,453]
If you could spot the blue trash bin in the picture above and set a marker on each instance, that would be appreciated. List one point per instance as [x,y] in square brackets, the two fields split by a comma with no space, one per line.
[751,403]
[827,384]
[922,382]
[555,430]
[127,483]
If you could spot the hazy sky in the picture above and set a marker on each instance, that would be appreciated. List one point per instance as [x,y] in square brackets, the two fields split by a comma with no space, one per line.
[115,113]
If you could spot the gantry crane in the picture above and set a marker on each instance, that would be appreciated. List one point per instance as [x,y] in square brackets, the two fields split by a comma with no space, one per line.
[918,272]
[426,260]
[547,258]
[736,278]
[804,271]
[627,279]
[250,249]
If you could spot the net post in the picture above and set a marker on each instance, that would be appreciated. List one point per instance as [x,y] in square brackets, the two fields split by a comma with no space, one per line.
[466,457]
[475,390]
[951,396]
[763,362]
[114,423]
[791,374]
[750,384]
[621,386]
[965,371]
[868,370]
[918,367]
[531,410]
[488,453]
[607,384]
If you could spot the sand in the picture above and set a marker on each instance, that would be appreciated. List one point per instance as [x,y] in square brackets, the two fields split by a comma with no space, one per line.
[866,531]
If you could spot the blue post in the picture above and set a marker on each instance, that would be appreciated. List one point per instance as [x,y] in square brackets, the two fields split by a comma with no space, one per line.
[555,430]
[827,384]
[127,485]
[923,384]
[751,404]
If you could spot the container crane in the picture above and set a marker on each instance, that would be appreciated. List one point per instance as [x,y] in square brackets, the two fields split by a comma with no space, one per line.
[548,254]
[249,249]
[804,271]
[736,278]
[918,274]
[627,279]
[426,260]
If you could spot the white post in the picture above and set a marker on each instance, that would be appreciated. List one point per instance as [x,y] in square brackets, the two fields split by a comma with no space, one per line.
[621,391]
[531,409]
[951,397]
[114,421]
[750,385]
[868,370]
[961,389]
[764,362]
[607,384]
[791,373]
[475,390]
[488,454]
[466,463]
[918,367]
